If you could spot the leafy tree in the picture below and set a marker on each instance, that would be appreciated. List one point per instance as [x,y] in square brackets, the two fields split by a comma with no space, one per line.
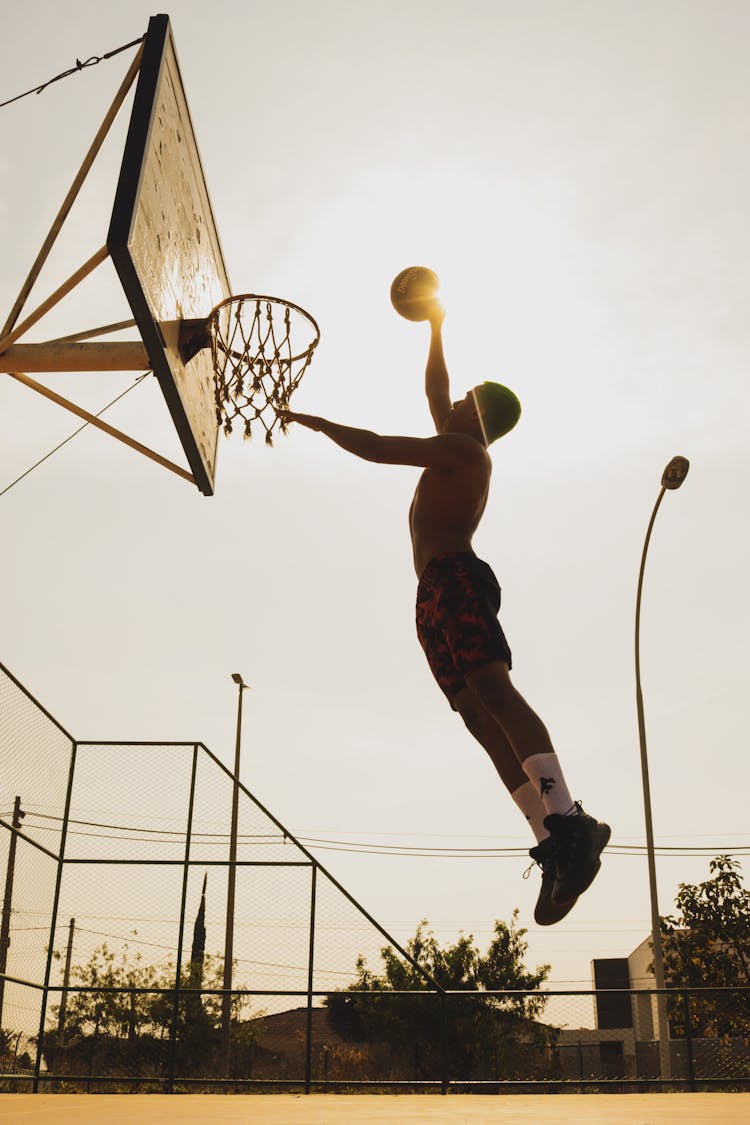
[123,1023]
[707,945]
[481,1032]
[123,1014]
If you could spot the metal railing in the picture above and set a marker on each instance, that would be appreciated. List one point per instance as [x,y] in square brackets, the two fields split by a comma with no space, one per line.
[428,1040]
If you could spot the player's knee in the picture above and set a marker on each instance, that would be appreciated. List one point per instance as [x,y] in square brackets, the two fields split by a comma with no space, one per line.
[495,691]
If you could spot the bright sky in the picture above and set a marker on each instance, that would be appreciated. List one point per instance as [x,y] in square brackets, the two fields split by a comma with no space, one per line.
[578,174]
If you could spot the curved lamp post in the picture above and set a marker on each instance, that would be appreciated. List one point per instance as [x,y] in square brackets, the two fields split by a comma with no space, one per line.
[672,478]
[226,999]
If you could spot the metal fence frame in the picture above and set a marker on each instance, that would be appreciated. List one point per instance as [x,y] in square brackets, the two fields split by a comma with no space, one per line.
[307,1079]
[444,1082]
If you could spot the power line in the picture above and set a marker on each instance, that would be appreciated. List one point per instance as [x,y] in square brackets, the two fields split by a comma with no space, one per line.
[154,836]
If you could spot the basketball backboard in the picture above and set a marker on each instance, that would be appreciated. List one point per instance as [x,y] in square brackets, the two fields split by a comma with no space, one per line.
[165,246]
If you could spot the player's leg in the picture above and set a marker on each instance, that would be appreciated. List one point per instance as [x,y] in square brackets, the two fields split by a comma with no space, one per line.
[478,720]
[492,738]
[481,658]
[457,603]
[490,735]
[578,839]
[525,731]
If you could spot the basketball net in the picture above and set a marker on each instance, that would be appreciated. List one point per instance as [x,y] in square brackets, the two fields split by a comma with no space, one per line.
[261,348]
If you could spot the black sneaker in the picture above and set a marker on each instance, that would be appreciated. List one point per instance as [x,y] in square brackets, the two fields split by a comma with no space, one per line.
[546,911]
[578,841]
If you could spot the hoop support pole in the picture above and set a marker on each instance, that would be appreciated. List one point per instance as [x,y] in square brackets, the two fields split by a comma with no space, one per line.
[54,298]
[73,192]
[72,356]
[46,392]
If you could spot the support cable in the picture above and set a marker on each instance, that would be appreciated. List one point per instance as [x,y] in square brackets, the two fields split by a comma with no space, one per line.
[73,70]
[74,434]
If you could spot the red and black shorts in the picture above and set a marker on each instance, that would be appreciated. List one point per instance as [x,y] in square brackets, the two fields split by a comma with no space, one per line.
[458,599]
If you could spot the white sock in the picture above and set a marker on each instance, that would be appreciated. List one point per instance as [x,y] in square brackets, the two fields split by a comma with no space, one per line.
[545,773]
[529,802]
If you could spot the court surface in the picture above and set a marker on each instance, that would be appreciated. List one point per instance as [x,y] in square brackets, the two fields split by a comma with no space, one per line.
[379,1109]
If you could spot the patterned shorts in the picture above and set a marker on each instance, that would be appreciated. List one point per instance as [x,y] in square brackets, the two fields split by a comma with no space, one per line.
[458,599]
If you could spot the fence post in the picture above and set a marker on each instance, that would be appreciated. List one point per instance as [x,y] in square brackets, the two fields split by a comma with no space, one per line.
[66,982]
[53,918]
[310,981]
[688,1039]
[18,816]
[444,1076]
[183,903]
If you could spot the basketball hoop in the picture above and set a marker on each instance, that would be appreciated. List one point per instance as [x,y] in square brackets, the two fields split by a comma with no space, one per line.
[261,348]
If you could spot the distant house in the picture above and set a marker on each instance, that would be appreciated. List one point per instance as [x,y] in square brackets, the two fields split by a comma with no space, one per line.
[279,1048]
[624,1042]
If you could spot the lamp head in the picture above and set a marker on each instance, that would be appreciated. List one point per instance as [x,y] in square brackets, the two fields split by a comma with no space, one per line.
[675,473]
[237,678]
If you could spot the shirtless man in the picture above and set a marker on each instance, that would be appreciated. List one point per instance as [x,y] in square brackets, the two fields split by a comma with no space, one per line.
[458,599]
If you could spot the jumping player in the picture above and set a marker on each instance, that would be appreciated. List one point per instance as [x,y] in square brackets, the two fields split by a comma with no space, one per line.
[458,598]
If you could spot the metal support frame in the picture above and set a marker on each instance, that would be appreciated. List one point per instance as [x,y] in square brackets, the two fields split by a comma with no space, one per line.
[93,420]
[55,355]
[76,186]
[74,356]
[695,1071]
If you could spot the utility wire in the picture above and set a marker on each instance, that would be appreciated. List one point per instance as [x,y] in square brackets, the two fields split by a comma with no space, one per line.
[133,939]
[157,836]
[73,70]
[75,433]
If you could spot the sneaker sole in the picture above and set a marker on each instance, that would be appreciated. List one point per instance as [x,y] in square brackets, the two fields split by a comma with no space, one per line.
[557,911]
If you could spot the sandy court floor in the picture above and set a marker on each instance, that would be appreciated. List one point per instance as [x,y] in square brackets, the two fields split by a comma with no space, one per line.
[383,1109]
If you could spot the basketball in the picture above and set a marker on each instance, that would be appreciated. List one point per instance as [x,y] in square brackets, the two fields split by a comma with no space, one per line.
[414,292]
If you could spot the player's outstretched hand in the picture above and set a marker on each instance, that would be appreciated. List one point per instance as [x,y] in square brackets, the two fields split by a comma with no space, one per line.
[311,421]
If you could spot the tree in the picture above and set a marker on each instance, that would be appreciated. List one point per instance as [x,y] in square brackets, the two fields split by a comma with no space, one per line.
[122,1026]
[120,1014]
[481,1032]
[707,945]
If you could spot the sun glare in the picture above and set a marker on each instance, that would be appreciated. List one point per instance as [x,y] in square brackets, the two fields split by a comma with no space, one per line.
[508,267]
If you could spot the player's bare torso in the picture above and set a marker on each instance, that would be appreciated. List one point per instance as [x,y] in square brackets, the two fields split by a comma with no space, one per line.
[447,507]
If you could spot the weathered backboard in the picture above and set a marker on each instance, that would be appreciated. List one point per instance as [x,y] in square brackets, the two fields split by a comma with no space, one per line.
[165,246]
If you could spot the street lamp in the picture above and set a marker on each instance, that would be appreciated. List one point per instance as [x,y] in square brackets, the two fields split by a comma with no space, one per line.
[226,999]
[672,478]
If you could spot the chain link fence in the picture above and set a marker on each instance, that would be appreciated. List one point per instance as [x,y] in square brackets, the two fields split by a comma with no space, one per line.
[116,932]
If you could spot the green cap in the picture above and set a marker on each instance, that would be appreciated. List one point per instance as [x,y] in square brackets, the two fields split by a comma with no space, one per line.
[499,409]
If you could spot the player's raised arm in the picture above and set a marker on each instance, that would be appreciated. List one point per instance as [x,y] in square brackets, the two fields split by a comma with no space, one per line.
[414,295]
[437,384]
